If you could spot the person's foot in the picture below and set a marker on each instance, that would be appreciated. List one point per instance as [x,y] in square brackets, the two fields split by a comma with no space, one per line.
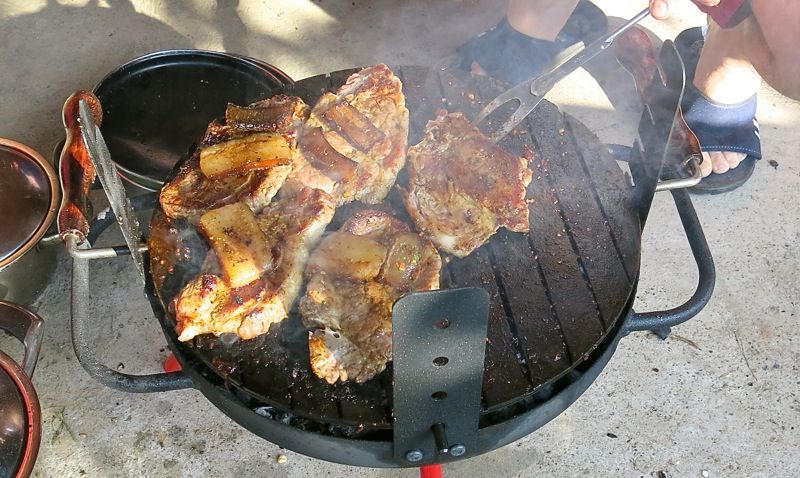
[509,55]
[718,105]
[506,54]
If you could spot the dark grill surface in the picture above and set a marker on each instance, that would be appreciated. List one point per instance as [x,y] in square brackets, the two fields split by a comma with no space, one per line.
[555,293]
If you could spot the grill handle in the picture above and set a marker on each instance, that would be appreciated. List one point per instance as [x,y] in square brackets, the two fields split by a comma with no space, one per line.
[80,325]
[76,170]
[660,321]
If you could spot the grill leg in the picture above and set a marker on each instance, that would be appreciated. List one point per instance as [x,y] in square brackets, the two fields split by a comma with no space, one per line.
[431,471]
[171,364]
[662,332]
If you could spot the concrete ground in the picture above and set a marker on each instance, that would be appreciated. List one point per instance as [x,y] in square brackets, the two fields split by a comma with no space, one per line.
[718,398]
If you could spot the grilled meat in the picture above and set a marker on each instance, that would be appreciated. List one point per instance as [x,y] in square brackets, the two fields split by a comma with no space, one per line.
[239,244]
[255,181]
[236,157]
[354,277]
[462,187]
[279,113]
[354,142]
[291,226]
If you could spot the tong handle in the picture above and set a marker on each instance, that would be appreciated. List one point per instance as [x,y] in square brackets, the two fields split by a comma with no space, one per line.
[541,85]
[76,170]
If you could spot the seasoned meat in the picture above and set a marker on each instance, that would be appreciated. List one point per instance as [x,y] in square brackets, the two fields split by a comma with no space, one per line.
[354,277]
[190,193]
[354,142]
[279,113]
[239,156]
[462,187]
[292,226]
[239,244]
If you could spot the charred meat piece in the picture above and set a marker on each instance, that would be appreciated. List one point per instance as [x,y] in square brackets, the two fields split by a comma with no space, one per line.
[191,193]
[462,187]
[320,155]
[292,226]
[238,242]
[279,113]
[354,142]
[352,125]
[235,157]
[354,277]
[255,177]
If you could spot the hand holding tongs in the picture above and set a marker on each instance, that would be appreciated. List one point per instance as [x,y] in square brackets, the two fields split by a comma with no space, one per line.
[531,92]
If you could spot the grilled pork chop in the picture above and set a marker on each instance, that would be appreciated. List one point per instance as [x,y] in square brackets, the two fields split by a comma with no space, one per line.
[463,187]
[190,193]
[354,277]
[354,142]
[292,226]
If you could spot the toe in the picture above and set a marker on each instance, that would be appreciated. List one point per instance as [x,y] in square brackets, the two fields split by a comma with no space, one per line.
[733,158]
[706,167]
[719,163]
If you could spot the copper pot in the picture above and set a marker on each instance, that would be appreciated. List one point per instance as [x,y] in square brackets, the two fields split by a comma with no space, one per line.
[20,414]
[29,198]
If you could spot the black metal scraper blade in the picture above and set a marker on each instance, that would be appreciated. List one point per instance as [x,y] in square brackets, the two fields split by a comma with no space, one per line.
[439,342]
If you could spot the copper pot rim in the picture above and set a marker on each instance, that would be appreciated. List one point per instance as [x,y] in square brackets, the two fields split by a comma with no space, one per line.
[55,198]
[33,413]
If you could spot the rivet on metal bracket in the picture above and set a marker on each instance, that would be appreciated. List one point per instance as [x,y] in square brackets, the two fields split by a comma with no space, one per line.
[414,456]
[457,450]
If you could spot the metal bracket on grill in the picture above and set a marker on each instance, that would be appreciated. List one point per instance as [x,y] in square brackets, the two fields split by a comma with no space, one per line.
[658,126]
[438,343]
[80,324]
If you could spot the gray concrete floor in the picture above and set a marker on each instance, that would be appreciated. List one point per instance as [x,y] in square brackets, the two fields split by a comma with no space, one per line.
[718,398]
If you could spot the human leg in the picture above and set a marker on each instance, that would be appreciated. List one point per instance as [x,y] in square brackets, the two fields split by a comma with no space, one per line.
[726,76]
[773,47]
[530,36]
[542,19]
[733,61]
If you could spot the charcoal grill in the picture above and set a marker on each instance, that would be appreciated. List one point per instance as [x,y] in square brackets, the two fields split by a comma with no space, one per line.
[557,301]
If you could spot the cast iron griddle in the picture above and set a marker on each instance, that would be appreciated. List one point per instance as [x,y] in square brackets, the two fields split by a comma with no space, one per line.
[556,292]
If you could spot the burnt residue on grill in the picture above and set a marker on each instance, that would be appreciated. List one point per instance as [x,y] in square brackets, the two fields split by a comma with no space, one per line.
[556,292]
[180,251]
[612,195]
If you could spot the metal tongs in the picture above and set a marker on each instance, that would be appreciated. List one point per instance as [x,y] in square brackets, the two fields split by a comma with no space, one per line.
[531,92]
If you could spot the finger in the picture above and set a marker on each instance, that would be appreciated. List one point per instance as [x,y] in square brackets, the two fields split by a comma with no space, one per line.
[719,163]
[659,9]
[705,167]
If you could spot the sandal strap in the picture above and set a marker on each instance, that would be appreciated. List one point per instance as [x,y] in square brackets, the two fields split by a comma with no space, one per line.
[718,127]
[721,127]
